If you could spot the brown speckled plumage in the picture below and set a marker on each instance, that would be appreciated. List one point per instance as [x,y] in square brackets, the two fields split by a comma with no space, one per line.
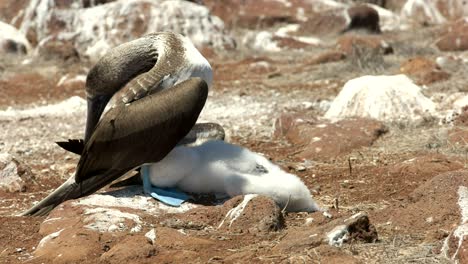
[145,121]
[131,135]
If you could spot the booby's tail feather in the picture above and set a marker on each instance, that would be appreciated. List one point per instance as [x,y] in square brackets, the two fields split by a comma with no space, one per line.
[71,190]
[53,199]
[72,145]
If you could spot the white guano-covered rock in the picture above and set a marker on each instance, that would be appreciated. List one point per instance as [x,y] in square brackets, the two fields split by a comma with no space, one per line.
[422,9]
[385,98]
[95,29]
[10,179]
[132,198]
[12,40]
[325,5]
[261,41]
[433,11]
[454,243]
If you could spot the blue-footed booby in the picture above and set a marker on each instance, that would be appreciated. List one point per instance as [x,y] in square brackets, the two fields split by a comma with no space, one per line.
[128,136]
[125,85]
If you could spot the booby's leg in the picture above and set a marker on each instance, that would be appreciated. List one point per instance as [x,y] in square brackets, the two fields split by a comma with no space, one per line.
[169,196]
[144,170]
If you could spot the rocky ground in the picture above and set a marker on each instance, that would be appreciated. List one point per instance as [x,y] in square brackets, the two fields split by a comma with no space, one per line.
[388,168]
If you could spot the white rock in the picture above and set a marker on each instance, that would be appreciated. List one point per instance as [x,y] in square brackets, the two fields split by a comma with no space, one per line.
[449,63]
[381,97]
[110,220]
[261,41]
[428,8]
[94,30]
[431,10]
[9,177]
[463,203]
[461,231]
[9,33]
[309,221]
[48,238]
[327,214]
[460,103]
[338,235]
[151,236]
[289,30]
[131,197]
[324,5]
[451,106]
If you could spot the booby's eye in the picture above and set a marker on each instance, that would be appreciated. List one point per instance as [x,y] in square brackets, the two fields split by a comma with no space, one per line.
[261,169]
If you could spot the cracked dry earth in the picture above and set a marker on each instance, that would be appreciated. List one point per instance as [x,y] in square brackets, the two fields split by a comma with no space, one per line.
[404,176]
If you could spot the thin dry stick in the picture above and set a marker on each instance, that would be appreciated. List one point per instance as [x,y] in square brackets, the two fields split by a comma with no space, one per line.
[318,256]
[350,166]
[286,206]
[394,240]
[336,204]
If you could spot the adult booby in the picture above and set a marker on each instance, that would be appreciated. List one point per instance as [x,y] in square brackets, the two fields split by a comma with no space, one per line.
[128,79]
[129,135]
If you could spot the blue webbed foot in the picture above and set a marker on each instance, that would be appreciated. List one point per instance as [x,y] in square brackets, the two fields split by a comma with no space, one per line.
[170,196]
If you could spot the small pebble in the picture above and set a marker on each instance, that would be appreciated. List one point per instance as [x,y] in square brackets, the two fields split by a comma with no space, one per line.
[327,214]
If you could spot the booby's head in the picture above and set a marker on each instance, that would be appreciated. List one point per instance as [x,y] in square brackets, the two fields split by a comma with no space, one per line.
[101,85]
[98,95]
[112,72]
[96,105]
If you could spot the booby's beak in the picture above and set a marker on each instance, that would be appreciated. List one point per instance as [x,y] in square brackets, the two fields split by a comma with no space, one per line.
[96,106]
